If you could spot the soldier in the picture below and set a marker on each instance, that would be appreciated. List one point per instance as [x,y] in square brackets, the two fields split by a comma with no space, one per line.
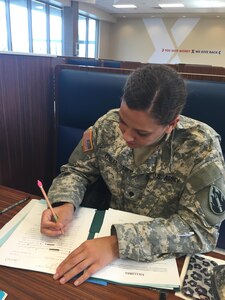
[155,162]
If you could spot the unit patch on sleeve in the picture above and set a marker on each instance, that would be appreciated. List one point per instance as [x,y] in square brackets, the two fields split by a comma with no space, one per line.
[216,200]
[87,143]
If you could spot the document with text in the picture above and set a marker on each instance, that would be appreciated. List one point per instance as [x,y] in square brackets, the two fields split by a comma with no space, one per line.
[27,248]
[161,274]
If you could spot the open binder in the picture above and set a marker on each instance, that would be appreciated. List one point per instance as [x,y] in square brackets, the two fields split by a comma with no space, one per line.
[23,246]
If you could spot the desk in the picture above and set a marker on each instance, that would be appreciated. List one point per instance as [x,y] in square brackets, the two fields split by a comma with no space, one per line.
[29,285]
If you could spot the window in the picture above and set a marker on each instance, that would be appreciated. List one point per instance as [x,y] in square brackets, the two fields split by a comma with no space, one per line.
[55,31]
[82,36]
[88,37]
[30,26]
[91,38]
[39,32]
[3,30]
[19,25]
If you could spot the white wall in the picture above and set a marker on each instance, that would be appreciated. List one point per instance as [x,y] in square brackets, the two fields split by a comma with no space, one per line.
[167,40]
[105,40]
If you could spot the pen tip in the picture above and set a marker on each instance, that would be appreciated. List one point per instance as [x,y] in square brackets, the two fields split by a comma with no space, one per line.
[39,183]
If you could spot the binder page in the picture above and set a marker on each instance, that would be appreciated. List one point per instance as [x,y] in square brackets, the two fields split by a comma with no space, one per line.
[161,274]
[10,226]
[113,216]
[28,249]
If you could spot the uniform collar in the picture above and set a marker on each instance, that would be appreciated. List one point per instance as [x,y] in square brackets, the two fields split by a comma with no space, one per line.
[121,153]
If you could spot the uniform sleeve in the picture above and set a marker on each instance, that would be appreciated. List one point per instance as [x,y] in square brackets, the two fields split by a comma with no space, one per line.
[194,229]
[80,171]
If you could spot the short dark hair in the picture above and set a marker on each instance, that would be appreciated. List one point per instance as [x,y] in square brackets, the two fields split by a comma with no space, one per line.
[158,89]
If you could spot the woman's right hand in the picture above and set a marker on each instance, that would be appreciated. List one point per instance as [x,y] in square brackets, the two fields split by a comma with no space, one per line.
[65,214]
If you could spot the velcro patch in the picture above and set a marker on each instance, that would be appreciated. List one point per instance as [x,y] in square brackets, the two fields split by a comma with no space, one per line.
[216,200]
[87,143]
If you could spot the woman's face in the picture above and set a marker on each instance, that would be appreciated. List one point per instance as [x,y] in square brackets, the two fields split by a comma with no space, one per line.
[139,129]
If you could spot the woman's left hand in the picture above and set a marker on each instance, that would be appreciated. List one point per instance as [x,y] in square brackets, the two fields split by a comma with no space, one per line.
[90,257]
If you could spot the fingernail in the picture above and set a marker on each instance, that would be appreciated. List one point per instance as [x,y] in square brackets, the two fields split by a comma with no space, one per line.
[76,283]
[62,280]
[56,276]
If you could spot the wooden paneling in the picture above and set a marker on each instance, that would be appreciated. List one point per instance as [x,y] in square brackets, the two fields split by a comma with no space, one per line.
[201,72]
[26,120]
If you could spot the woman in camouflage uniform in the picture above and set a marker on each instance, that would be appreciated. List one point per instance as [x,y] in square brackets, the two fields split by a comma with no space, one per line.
[155,162]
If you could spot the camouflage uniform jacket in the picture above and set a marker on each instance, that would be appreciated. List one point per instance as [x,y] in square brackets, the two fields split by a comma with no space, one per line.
[181,186]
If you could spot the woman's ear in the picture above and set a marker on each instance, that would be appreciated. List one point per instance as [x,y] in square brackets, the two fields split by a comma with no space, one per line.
[172,125]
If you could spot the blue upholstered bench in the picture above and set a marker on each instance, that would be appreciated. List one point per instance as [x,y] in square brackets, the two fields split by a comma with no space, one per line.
[84,61]
[82,96]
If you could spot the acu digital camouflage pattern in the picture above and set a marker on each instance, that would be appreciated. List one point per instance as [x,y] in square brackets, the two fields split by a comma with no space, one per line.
[172,186]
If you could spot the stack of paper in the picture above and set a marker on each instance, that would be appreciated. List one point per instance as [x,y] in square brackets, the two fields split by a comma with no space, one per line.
[23,246]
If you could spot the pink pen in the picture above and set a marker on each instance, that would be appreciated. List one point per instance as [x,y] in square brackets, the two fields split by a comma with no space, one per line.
[55,218]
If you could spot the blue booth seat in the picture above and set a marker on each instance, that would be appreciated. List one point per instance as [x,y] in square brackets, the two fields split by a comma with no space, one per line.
[82,98]
[111,64]
[85,62]
[206,102]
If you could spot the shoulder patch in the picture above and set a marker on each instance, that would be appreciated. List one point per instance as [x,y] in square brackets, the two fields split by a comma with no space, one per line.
[216,200]
[87,144]
[205,176]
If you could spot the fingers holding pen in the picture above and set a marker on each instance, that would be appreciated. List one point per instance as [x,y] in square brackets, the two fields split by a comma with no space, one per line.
[64,216]
[49,227]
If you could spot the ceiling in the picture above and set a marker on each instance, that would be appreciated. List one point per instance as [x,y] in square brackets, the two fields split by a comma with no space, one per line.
[192,8]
